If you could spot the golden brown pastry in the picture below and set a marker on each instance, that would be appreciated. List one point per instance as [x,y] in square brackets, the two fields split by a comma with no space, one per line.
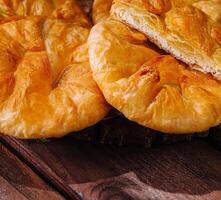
[101,10]
[46,84]
[153,90]
[29,7]
[43,8]
[188,29]
[211,7]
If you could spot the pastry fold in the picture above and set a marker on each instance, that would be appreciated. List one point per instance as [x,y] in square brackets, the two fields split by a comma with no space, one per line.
[101,10]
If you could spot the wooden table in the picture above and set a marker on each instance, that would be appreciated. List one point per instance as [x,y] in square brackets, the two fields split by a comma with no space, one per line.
[70,169]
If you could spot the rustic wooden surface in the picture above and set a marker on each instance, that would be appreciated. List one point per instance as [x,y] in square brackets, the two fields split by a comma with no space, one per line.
[186,170]
[26,154]
[19,182]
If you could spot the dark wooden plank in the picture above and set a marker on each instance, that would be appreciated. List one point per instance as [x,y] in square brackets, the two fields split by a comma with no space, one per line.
[17,181]
[36,162]
[215,137]
[187,170]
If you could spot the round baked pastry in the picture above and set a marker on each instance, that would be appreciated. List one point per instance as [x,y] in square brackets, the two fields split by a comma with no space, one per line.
[188,29]
[46,84]
[153,90]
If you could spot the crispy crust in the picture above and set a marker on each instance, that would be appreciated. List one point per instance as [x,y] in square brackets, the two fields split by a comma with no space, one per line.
[46,84]
[179,27]
[101,10]
[153,90]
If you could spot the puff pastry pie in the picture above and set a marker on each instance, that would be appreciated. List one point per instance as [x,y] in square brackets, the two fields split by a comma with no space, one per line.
[153,90]
[188,29]
[46,84]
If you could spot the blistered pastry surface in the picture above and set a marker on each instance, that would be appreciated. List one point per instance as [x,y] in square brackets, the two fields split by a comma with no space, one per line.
[101,10]
[46,84]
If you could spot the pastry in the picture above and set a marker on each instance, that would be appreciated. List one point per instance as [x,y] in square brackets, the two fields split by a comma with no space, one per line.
[211,7]
[154,90]
[46,84]
[101,10]
[188,29]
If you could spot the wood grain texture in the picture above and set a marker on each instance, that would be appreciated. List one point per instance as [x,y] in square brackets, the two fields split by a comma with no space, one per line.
[17,181]
[35,161]
[186,170]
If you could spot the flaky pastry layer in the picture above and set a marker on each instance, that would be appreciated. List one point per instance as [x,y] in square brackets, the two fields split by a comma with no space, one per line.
[101,10]
[188,29]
